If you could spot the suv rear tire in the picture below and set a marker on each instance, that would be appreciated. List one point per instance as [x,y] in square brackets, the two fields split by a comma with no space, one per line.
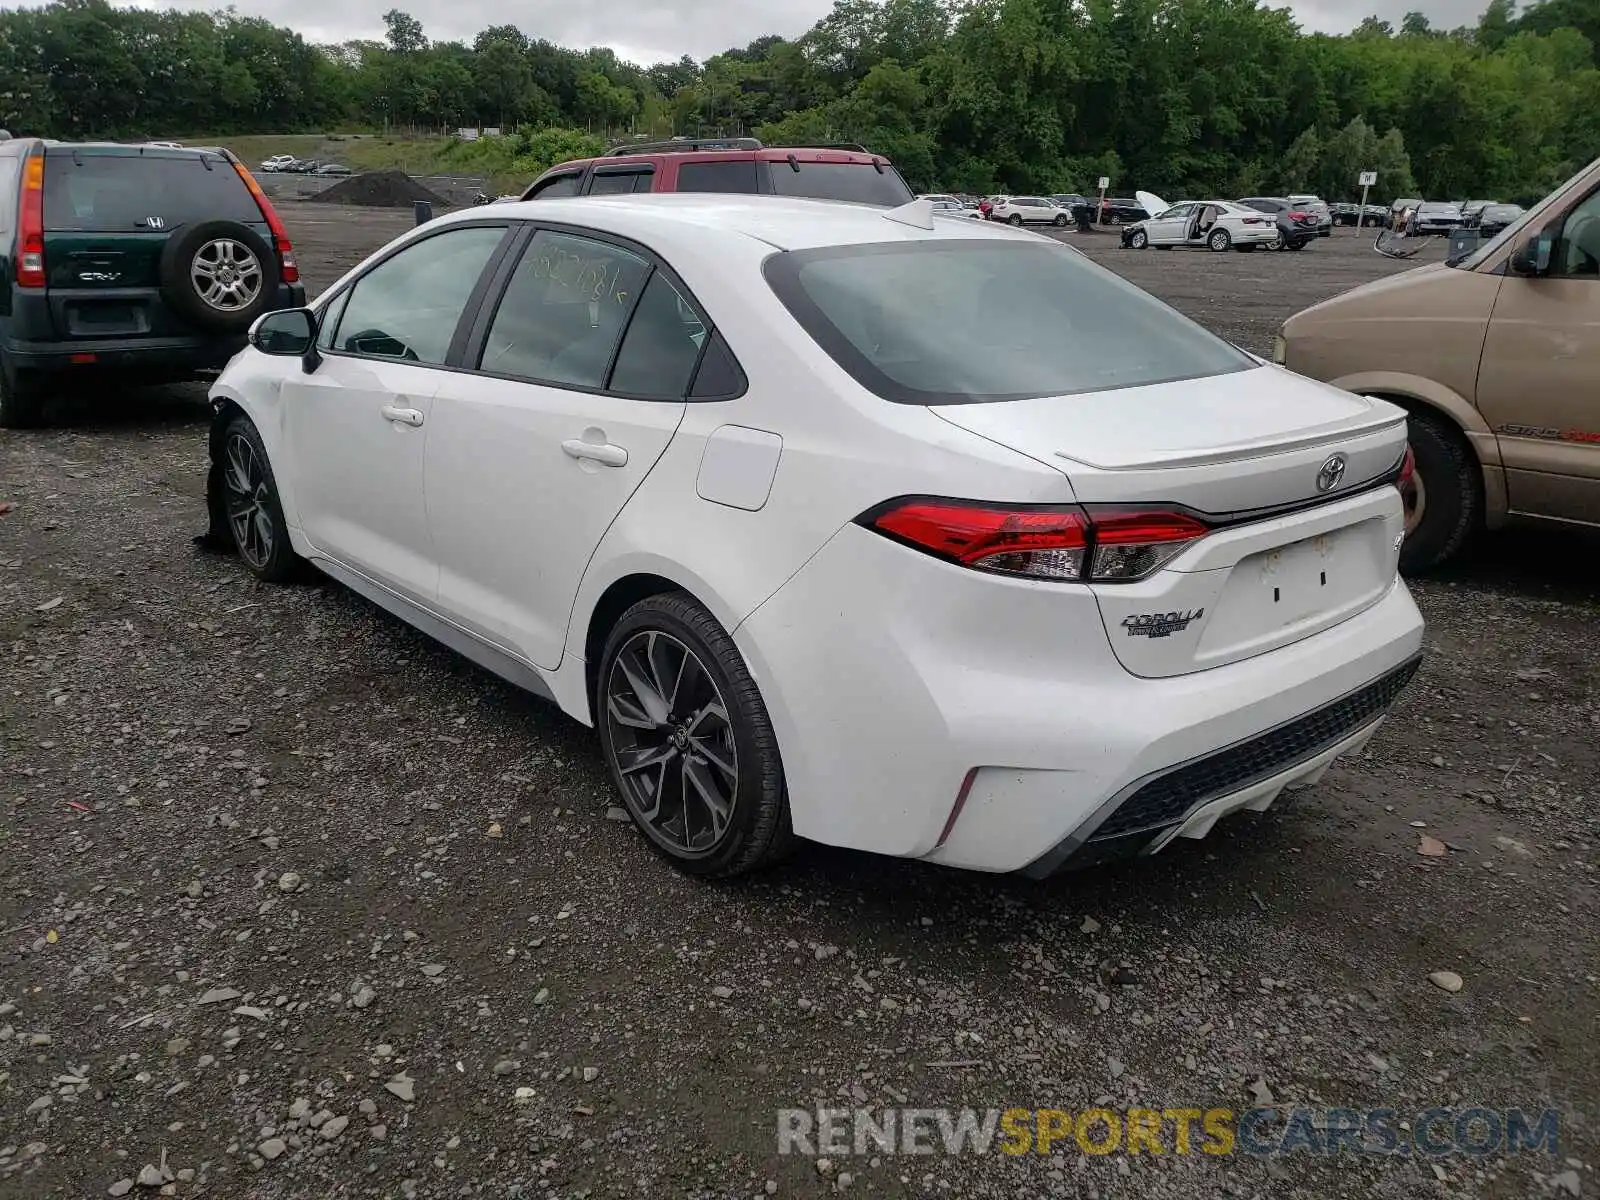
[180,262]
[1452,492]
[21,400]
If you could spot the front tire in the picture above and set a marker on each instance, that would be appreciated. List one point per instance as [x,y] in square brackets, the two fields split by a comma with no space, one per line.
[1138,239]
[253,512]
[1061,221]
[688,742]
[1219,240]
[1449,500]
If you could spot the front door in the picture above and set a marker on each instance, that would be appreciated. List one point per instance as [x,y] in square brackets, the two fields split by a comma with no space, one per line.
[1539,379]
[1168,228]
[357,425]
[580,385]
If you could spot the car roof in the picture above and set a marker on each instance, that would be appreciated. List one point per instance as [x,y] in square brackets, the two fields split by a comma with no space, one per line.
[705,218]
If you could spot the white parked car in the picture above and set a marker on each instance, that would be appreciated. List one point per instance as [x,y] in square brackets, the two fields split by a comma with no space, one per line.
[1029,210]
[762,489]
[277,162]
[1202,224]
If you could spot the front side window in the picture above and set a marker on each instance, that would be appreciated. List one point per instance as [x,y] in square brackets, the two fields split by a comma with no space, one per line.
[564,311]
[1577,250]
[910,321]
[408,306]
[561,185]
[619,183]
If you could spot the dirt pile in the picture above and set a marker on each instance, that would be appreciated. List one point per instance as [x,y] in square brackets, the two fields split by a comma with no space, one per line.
[379,189]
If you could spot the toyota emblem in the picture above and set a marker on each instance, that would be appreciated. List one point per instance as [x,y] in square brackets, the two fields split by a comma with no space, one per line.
[1332,472]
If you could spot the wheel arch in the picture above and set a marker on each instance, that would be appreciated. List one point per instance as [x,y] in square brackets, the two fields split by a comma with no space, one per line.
[636,578]
[1461,420]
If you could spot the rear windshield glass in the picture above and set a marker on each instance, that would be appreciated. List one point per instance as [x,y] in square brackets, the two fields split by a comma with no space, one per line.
[104,193]
[914,322]
[858,182]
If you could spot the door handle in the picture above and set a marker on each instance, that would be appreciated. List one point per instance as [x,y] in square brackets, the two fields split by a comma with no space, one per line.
[600,452]
[401,416]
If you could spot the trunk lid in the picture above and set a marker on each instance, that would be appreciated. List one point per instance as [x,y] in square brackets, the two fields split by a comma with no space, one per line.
[1289,555]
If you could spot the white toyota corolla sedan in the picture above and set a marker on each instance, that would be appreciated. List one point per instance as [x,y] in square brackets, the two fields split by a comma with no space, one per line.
[761,490]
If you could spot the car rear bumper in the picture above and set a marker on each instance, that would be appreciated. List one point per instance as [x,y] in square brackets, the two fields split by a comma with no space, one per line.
[172,356]
[984,723]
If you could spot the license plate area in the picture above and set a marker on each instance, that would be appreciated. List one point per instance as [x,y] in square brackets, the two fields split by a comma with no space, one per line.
[1284,593]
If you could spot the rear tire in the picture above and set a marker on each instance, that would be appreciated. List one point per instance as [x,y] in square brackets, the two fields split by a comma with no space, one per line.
[721,698]
[1220,240]
[1014,219]
[1452,494]
[21,400]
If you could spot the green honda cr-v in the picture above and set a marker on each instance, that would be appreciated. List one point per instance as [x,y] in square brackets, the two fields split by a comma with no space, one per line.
[133,264]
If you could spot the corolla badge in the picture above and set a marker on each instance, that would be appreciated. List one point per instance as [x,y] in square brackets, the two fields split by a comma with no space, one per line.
[1331,473]
[1160,625]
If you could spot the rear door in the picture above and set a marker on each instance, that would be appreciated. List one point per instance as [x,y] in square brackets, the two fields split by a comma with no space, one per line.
[1539,377]
[109,212]
[575,385]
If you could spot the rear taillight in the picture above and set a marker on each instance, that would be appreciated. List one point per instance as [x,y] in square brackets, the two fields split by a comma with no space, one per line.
[289,269]
[1300,216]
[30,225]
[1065,543]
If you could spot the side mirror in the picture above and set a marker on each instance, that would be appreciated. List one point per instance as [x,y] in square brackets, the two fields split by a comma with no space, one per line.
[1533,259]
[287,333]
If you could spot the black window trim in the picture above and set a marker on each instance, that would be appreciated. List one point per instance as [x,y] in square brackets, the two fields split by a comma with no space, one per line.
[463,322]
[494,295]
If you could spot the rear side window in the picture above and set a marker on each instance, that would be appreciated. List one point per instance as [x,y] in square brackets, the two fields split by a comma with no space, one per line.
[564,311]
[739,176]
[10,172]
[108,193]
[861,183]
[909,321]
[661,346]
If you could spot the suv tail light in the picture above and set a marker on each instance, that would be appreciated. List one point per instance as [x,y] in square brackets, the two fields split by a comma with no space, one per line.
[290,270]
[1065,542]
[1297,215]
[30,224]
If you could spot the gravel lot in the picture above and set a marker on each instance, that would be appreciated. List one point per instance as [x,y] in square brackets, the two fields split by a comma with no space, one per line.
[297,904]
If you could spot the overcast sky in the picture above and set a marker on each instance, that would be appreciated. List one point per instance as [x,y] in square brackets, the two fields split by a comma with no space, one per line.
[647,31]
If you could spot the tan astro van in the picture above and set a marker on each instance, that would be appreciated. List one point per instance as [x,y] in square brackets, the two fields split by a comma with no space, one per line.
[1497,359]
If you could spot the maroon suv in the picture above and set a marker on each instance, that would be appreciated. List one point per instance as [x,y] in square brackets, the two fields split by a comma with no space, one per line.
[739,165]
